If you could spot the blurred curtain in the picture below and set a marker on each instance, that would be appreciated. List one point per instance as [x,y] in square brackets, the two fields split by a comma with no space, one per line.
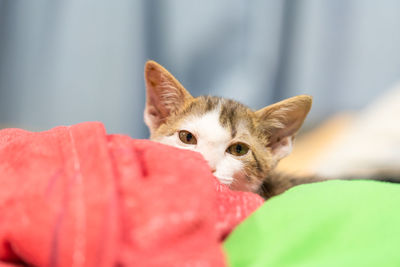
[62,62]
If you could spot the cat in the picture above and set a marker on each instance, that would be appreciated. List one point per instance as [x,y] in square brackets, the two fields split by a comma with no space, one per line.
[242,146]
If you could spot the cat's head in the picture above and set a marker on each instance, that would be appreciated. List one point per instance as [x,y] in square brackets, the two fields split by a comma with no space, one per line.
[240,145]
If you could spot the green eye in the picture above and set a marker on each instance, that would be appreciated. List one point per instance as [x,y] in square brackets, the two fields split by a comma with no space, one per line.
[238,149]
[187,137]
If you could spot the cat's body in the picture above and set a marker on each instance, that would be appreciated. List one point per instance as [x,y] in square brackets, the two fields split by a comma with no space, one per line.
[241,146]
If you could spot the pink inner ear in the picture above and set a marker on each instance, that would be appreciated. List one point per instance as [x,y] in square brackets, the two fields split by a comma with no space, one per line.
[281,140]
[155,114]
[156,107]
[164,94]
[291,126]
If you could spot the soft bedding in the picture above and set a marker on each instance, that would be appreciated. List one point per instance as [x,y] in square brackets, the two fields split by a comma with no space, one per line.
[334,223]
[75,196]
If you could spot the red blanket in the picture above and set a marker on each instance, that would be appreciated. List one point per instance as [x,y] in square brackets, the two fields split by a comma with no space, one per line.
[75,196]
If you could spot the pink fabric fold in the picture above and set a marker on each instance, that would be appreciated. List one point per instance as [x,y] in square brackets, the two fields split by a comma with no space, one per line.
[75,196]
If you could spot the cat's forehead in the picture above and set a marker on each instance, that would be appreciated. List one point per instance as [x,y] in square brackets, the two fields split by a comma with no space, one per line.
[207,127]
[231,115]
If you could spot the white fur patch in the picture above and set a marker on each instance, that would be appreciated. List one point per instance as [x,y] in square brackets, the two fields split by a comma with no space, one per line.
[283,148]
[212,141]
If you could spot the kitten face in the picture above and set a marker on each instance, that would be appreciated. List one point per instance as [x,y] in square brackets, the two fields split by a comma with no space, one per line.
[217,124]
[240,145]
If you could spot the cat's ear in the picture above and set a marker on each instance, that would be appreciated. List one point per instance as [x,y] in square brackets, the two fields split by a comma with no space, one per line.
[281,121]
[164,95]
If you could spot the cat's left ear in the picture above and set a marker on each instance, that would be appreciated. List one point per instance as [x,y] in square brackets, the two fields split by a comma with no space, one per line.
[164,95]
[281,121]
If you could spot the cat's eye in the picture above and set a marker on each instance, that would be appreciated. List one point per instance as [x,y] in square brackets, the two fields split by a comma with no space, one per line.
[238,149]
[187,137]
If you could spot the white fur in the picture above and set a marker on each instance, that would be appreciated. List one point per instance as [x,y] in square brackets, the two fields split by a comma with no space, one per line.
[283,148]
[212,141]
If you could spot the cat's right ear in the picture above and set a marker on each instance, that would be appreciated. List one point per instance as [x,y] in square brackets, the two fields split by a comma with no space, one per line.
[281,121]
[164,95]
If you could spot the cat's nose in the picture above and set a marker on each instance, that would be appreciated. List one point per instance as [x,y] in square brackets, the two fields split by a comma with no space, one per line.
[213,169]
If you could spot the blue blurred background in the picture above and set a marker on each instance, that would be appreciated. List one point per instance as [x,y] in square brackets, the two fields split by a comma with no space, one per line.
[64,62]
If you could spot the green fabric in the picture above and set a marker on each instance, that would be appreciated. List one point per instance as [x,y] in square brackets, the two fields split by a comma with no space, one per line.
[335,223]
